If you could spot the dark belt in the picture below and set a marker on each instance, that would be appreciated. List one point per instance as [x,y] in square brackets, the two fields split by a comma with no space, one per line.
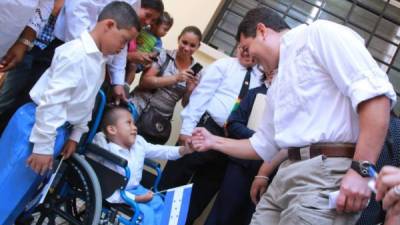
[345,150]
[208,122]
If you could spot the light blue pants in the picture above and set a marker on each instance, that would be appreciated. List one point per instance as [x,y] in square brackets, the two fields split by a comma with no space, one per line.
[151,211]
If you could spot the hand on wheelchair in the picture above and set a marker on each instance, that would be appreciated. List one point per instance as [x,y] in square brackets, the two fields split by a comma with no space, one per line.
[40,163]
[119,94]
[69,149]
[144,198]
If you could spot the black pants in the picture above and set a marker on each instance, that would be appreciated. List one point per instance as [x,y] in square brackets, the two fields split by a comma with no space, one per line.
[233,204]
[20,94]
[204,169]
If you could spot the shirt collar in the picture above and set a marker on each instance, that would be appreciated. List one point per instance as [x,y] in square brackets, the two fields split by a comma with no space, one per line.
[89,44]
[172,54]
[117,149]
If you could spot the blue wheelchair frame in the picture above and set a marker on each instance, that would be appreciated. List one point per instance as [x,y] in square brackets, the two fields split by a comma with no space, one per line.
[155,165]
[64,187]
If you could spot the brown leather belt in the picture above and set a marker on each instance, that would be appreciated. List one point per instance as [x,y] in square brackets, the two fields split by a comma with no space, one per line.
[329,150]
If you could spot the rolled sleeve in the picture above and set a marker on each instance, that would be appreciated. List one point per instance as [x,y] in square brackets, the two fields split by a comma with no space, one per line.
[343,54]
[370,86]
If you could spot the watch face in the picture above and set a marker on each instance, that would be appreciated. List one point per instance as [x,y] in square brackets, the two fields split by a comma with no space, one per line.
[364,171]
[362,167]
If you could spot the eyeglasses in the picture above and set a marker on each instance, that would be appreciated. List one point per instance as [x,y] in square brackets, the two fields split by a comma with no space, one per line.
[243,49]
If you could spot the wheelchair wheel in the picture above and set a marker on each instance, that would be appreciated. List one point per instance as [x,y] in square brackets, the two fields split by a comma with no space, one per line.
[76,197]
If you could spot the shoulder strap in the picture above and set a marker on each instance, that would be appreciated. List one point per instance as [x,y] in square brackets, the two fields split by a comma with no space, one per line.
[165,64]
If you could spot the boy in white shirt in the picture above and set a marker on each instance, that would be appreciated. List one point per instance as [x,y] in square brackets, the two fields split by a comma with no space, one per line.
[66,92]
[119,129]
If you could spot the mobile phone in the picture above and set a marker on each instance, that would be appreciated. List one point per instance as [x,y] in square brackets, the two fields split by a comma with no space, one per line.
[155,56]
[196,68]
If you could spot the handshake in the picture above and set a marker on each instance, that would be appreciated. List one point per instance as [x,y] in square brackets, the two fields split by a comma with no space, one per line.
[200,141]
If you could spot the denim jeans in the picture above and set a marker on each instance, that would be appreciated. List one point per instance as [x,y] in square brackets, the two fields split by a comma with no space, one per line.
[20,80]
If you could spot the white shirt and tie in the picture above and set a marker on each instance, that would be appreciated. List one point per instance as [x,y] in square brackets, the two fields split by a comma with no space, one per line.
[16,15]
[135,156]
[217,92]
[67,91]
[81,15]
[324,72]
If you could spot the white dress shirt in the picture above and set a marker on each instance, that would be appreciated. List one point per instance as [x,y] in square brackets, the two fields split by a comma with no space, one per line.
[67,91]
[15,15]
[324,72]
[135,157]
[81,15]
[216,93]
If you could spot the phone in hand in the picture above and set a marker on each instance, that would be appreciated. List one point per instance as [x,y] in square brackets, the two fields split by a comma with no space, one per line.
[196,68]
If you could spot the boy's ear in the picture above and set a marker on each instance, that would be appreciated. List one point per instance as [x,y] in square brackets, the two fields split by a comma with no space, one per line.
[111,129]
[110,23]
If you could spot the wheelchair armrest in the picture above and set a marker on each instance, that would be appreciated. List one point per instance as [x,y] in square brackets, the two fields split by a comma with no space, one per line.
[151,163]
[99,151]
[157,167]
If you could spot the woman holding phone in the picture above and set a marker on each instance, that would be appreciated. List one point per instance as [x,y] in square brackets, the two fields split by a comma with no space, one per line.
[170,78]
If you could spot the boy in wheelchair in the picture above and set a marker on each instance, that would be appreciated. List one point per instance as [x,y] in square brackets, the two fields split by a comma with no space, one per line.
[120,137]
[65,93]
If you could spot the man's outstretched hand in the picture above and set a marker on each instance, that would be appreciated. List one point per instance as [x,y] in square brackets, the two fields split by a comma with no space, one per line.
[202,140]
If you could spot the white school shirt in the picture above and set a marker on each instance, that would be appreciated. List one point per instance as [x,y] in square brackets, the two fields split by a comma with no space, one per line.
[217,92]
[67,91]
[81,15]
[324,72]
[16,15]
[135,157]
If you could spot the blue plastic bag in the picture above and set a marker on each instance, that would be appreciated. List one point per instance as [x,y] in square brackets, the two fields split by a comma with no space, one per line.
[18,182]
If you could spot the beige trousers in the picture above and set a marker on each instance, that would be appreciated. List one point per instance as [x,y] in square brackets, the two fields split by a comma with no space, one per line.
[299,194]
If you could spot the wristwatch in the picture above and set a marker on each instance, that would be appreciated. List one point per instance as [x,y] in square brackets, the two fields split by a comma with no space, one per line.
[26,42]
[361,167]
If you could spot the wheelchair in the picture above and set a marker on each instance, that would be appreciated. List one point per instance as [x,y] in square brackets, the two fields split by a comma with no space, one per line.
[78,192]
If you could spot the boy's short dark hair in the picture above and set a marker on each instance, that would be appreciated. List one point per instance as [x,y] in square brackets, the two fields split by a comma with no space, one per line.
[110,116]
[157,5]
[122,13]
[263,15]
[166,19]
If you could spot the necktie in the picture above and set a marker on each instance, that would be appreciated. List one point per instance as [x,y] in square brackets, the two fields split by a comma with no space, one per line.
[244,89]
[242,94]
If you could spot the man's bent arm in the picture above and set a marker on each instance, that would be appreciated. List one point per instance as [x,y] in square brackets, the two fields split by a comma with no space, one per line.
[374,117]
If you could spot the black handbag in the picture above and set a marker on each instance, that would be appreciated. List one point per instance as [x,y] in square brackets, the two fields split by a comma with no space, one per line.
[152,126]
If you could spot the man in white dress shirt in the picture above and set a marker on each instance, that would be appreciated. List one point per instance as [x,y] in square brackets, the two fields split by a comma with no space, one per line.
[20,22]
[210,105]
[328,104]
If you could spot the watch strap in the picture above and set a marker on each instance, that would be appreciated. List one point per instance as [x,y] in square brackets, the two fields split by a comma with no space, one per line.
[26,42]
